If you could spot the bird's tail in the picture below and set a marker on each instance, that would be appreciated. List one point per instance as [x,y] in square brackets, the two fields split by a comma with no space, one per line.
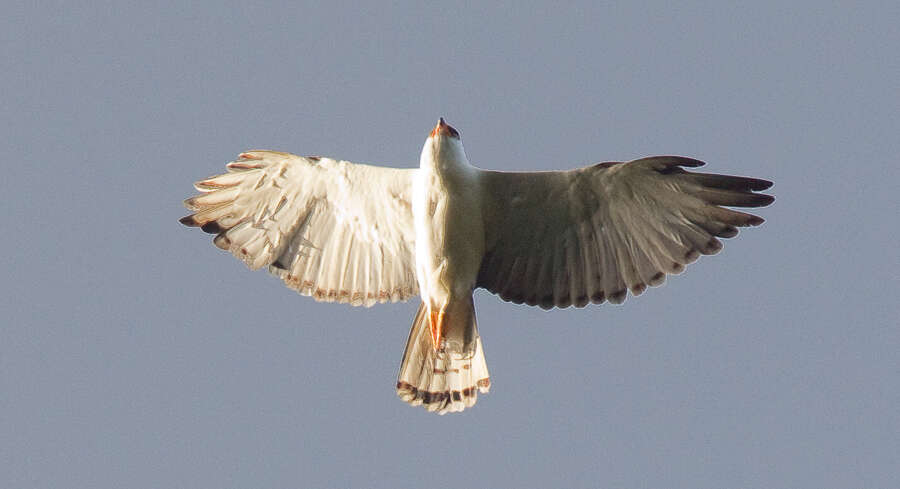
[448,378]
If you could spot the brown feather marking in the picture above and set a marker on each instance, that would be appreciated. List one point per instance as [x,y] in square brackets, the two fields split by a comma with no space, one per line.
[691,255]
[618,297]
[242,166]
[581,301]
[712,247]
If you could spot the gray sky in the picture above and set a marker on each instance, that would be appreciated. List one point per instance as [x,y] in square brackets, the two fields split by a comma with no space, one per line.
[135,354]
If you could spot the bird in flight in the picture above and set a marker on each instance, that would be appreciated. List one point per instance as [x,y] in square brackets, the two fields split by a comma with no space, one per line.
[360,235]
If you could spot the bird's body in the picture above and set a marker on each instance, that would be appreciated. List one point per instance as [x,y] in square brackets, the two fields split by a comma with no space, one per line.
[359,234]
[449,242]
[446,209]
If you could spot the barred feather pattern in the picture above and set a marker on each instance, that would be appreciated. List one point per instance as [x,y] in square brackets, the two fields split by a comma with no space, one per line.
[441,381]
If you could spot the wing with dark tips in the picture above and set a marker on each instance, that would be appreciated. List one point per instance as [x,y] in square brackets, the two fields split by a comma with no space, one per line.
[591,234]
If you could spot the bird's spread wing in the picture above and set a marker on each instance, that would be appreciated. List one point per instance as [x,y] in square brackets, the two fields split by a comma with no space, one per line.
[333,230]
[590,234]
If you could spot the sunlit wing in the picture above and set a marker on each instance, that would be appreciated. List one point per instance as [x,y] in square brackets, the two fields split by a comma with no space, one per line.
[333,230]
[590,234]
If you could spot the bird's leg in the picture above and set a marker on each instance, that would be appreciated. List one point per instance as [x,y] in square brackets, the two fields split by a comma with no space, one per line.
[437,324]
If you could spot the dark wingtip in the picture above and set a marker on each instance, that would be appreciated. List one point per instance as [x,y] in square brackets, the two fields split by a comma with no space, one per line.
[763,200]
[547,302]
[689,162]
[212,228]
[671,162]
[188,221]
[727,232]
[759,184]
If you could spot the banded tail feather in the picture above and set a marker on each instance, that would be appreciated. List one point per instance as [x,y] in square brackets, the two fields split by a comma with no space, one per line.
[447,379]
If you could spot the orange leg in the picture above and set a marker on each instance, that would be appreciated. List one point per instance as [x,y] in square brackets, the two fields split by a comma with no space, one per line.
[436,318]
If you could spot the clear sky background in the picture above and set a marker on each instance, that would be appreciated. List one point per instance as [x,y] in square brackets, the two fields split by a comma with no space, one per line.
[135,354]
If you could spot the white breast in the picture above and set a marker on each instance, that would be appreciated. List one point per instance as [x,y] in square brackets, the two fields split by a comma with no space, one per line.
[448,222]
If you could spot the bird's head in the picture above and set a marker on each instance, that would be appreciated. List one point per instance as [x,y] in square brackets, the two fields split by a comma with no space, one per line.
[443,148]
[442,129]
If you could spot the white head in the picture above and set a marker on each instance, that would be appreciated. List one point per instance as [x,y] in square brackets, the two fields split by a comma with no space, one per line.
[443,149]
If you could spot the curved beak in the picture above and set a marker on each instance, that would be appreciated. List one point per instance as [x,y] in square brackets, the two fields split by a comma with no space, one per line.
[444,129]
